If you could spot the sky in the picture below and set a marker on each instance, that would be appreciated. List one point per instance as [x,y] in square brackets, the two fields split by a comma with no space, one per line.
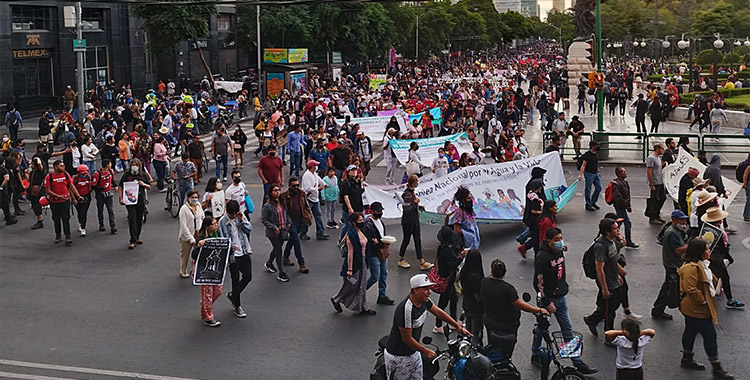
[546,5]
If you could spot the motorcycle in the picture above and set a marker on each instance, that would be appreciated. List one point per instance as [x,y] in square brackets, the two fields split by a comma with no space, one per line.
[558,345]
[225,117]
[505,370]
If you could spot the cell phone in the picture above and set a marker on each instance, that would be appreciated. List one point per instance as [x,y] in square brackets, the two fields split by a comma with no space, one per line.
[352,280]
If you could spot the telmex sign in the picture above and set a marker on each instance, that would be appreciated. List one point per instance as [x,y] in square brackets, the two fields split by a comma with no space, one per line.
[31,53]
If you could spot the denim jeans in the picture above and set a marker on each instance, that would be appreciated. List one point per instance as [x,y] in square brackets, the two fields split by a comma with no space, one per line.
[566,326]
[705,327]
[219,163]
[746,212]
[294,162]
[91,165]
[581,105]
[149,127]
[293,242]
[623,213]
[319,228]
[378,273]
[161,172]
[183,191]
[596,180]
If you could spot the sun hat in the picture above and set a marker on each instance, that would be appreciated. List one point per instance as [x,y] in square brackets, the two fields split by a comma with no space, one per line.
[714,214]
[697,181]
[705,197]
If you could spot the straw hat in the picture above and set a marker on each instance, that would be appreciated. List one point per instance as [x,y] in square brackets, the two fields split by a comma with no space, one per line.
[705,197]
[714,214]
[699,182]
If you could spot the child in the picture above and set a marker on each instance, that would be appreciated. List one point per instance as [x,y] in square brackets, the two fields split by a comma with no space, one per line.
[630,342]
[331,195]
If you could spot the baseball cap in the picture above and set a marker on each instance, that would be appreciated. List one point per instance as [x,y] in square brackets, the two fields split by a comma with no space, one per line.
[342,141]
[678,214]
[312,163]
[614,217]
[593,143]
[420,281]
[342,133]
[351,167]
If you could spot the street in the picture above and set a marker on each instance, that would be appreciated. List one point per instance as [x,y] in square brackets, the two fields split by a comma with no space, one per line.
[103,312]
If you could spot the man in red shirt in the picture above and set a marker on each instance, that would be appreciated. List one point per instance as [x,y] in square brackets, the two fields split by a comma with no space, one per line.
[59,187]
[270,171]
[104,186]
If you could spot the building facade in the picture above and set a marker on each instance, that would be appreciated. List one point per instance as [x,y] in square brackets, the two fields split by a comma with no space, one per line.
[527,8]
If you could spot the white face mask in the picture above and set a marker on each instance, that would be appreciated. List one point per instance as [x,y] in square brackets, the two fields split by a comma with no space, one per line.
[218,186]
[134,169]
[193,202]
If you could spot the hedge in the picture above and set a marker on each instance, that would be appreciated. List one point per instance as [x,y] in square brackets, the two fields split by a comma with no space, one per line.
[689,97]
[744,74]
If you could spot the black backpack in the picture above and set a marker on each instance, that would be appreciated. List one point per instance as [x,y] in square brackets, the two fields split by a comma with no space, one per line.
[12,118]
[589,262]
[741,171]
[660,235]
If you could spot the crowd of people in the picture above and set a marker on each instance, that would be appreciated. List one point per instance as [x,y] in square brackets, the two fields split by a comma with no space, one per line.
[308,162]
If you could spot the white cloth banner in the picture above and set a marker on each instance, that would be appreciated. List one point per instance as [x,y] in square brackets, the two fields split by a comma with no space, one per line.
[674,172]
[374,127]
[498,189]
[428,148]
[228,86]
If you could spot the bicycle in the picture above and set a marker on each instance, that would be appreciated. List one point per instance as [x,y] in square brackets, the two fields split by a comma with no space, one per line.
[172,198]
[557,345]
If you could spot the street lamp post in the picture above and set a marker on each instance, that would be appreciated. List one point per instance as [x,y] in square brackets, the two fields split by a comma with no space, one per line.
[683,44]
[718,44]
[416,40]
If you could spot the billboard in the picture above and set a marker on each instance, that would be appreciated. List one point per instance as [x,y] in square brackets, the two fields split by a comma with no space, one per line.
[275,56]
[274,84]
[297,55]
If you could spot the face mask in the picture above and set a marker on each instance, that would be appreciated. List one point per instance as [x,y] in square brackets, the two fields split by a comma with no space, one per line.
[522,149]
[193,202]
[360,225]
[271,154]
[134,169]
[377,215]
[5,139]
[681,227]
[218,186]
[559,245]
[236,180]
[502,151]
[488,155]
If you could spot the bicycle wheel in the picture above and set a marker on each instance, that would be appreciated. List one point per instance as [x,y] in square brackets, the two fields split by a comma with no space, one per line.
[568,373]
[174,206]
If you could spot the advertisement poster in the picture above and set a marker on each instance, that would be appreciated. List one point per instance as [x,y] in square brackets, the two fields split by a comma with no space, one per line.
[428,148]
[498,190]
[275,56]
[297,56]
[274,84]
[377,81]
[374,127]
[130,193]
[211,263]
[299,81]
[674,172]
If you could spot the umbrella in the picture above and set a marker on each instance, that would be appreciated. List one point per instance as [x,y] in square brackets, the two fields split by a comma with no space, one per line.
[559,57]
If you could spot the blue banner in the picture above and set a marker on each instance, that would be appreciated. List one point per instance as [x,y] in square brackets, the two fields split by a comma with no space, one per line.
[437,116]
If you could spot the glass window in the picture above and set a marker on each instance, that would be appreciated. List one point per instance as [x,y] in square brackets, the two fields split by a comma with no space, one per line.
[224,22]
[92,19]
[96,65]
[29,18]
[32,77]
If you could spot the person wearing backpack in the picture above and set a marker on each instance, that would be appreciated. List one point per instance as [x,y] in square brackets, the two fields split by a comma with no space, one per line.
[13,121]
[609,275]
[621,201]
[60,189]
[674,244]
[588,165]
[103,183]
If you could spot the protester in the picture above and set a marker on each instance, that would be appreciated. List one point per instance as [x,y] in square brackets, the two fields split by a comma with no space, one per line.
[160,158]
[237,229]
[621,201]
[295,203]
[463,220]
[312,185]
[61,191]
[450,254]
[720,258]
[472,273]
[550,280]
[191,217]
[548,219]
[239,138]
[609,277]
[353,292]
[10,219]
[34,192]
[351,193]
[103,183]
[221,148]
[532,213]
[654,165]
[410,225]
[209,293]
[378,263]
[698,307]
[686,183]
[589,168]
[270,171]
[278,224]
[184,172]
[82,182]
[330,194]
[137,208]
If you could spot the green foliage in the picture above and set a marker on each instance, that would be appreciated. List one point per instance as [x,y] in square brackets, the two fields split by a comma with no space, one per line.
[170,24]
[731,58]
[689,97]
[715,20]
[564,21]
[706,57]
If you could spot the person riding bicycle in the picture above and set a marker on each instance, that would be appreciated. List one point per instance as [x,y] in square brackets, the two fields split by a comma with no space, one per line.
[403,352]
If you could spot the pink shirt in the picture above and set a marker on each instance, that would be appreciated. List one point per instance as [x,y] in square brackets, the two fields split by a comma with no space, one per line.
[160,152]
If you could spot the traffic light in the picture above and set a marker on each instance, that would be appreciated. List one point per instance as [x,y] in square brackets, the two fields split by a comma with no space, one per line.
[592,79]
[591,52]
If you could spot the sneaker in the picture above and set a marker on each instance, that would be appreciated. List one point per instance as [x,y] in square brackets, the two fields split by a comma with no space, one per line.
[37,225]
[730,230]
[608,343]
[322,237]
[662,316]
[239,312]
[586,369]
[385,301]
[212,323]
[83,232]
[270,267]
[283,277]
[595,206]
[591,325]
[590,208]
[736,304]
[304,237]
[632,315]
[746,219]
[224,180]
[229,297]
[336,225]
[336,306]
[331,225]
[102,229]
[164,190]
[368,312]
[404,264]
[288,263]
[632,245]
[437,330]
[522,250]
[654,221]
[113,231]
[425,266]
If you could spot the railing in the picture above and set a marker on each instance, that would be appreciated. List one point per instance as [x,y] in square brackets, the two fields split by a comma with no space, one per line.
[636,145]
[712,142]
[569,151]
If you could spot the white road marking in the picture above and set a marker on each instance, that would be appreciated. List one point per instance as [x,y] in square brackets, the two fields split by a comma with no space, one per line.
[104,372]
[746,243]
[9,375]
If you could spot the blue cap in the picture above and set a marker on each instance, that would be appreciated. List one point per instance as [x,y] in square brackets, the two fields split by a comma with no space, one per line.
[678,214]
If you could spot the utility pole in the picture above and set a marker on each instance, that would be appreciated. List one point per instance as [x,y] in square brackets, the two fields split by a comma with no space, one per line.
[656,31]
[257,34]
[79,57]
[599,91]
[416,44]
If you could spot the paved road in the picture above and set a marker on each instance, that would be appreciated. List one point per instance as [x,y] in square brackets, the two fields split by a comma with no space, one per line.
[99,311]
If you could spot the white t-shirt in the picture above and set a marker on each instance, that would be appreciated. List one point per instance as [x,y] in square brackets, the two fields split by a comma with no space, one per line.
[237,193]
[440,166]
[626,358]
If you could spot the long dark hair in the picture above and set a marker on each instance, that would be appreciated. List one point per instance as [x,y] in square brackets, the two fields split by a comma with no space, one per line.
[547,210]
[633,330]
[211,185]
[473,263]
[461,194]
[203,231]
[695,250]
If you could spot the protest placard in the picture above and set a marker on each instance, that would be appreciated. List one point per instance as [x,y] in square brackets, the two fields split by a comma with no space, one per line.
[211,263]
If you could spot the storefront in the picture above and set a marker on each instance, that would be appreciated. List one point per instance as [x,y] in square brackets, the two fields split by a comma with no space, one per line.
[33,73]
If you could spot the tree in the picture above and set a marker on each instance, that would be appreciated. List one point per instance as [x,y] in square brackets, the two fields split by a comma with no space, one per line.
[168,25]
[715,20]
[562,20]
[495,28]
[520,27]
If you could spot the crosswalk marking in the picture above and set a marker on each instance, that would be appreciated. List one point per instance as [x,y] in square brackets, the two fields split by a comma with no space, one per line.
[95,371]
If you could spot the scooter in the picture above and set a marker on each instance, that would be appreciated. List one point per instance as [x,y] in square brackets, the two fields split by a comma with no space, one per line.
[429,369]
[505,370]
[557,345]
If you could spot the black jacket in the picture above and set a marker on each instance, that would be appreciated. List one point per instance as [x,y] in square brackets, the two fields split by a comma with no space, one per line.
[372,233]
[549,274]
